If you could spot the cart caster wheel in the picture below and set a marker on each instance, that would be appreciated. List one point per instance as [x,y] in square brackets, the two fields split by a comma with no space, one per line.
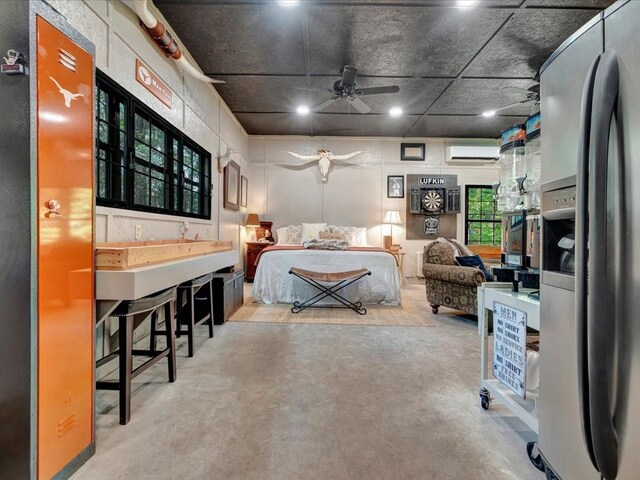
[534,456]
[485,399]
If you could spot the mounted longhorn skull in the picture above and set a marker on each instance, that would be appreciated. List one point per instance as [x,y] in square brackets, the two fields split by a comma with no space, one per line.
[323,158]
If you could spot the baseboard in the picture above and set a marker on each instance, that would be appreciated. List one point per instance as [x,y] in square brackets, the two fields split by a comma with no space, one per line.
[73,466]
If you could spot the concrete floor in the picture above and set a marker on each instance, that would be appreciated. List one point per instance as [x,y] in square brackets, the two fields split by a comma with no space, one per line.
[285,402]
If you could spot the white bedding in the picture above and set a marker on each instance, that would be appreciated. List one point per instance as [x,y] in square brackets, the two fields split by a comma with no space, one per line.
[273,283]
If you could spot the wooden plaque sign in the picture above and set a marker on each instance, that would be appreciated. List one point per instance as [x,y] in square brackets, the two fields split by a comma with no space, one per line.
[149,80]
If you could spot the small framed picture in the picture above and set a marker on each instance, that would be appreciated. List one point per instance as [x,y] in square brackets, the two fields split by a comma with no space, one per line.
[244,191]
[412,151]
[231,199]
[395,186]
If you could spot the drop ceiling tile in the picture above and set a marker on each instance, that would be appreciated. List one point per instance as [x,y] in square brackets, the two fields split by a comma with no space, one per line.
[257,93]
[274,123]
[362,125]
[462,127]
[414,97]
[568,3]
[526,41]
[240,38]
[398,41]
[472,96]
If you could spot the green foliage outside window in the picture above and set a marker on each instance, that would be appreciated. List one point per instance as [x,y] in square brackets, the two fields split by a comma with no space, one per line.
[483,222]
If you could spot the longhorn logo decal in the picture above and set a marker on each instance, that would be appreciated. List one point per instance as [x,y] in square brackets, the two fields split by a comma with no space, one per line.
[68,96]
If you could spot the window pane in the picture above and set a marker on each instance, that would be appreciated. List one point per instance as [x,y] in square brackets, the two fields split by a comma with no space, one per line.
[142,129]
[102,179]
[142,151]
[186,157]
[157,193]
[196,161]
[187,172]
[157,138]
[158,159]
[103,134]
[141,192]
[186,206]
[122,116]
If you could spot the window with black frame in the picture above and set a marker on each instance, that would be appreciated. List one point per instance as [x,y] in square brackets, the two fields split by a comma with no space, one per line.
[144,163]
[483,221]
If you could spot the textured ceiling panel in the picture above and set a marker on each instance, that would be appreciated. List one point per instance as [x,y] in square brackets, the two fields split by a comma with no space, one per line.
[395,41]
[241,39]
[263,50]
[274,123]
[462,127]
[526,41]
[472,96]
[255,93]
[598,4]
[364,125]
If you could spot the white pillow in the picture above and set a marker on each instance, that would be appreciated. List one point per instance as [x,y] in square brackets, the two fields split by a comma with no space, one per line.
[283,235]
[360,237]
[312,230]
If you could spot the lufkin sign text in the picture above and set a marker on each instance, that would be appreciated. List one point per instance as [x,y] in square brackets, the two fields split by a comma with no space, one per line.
[149,80]
[432,181]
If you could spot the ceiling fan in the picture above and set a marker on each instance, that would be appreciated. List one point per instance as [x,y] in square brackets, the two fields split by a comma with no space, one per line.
[345,88]
[532,94]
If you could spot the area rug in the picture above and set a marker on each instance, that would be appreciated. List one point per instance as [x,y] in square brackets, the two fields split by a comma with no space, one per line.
[414,312]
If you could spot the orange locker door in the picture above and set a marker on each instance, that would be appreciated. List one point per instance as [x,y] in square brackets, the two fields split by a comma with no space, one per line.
[65,249]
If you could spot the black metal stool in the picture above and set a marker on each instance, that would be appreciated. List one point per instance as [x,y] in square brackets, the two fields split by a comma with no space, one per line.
[130,314]
[187,312]
[339,280]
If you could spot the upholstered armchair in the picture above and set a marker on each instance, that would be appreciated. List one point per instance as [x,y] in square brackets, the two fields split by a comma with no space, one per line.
[446,282]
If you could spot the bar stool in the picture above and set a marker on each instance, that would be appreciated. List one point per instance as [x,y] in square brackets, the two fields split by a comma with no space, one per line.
[131,314]
[187,312]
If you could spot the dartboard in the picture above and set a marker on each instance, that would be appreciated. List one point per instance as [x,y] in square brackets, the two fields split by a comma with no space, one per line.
[432,201]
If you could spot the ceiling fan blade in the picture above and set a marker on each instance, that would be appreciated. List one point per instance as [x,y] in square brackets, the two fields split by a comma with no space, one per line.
[349,74]
[359,105]
[377,90]
[325,104]
[312,89]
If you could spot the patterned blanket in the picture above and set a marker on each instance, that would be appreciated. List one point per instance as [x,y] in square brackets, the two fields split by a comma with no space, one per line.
[325,244]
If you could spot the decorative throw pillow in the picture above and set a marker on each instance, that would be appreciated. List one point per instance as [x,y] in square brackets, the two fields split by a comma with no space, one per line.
[360,236]
[312,230]
[331,236]
[295,234]
[348,232]
[475,261]
[283,235]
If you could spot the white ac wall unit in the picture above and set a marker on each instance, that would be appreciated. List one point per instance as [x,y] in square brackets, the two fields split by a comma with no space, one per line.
[472,155]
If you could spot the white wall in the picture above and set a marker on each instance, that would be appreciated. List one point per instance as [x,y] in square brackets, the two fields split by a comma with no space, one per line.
[352,195]
[197,110]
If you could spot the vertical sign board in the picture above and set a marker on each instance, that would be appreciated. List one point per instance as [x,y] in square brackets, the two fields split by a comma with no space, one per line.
[65,249]
[510,347]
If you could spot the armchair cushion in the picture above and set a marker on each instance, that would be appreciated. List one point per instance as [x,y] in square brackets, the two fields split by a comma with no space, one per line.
[475,261]
[471,277]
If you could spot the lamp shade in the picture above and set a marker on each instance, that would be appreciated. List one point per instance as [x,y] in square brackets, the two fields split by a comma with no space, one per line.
[253,220]
[392,217]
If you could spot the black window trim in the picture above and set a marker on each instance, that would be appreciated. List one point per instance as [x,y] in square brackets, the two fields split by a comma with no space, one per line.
[466,211]
[134,105]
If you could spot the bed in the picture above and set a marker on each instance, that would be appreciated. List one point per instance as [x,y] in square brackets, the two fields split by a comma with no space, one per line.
[273,283]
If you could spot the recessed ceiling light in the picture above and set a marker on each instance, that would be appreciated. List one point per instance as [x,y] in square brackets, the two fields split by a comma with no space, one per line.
[395,111]
[466,3]
[489,113]
[288,3]
[302,110]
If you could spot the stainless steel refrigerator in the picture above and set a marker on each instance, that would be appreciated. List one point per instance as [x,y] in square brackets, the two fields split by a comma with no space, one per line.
[589,403]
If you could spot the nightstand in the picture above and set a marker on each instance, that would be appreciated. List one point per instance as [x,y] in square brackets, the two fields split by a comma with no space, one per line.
[253,250]
[399,254]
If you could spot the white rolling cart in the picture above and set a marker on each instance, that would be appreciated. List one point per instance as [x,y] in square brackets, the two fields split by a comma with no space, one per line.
[520,304]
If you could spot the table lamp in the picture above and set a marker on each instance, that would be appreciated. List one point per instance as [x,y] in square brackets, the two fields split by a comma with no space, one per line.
[253,221]
[391,217]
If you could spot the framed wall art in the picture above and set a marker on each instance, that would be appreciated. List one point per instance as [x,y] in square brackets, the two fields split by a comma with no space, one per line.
[244,190]
[412,151]
[395,186]
[231,200]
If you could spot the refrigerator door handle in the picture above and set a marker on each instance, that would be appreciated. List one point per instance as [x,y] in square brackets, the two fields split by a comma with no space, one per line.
[601,328]
[582,235]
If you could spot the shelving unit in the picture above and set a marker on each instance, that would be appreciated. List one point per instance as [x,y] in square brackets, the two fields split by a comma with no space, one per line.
[491,389]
